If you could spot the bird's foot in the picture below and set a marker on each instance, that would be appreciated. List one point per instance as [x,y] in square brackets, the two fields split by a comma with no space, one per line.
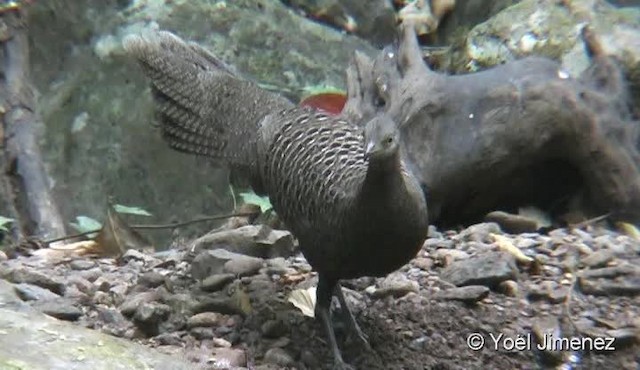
[356,335]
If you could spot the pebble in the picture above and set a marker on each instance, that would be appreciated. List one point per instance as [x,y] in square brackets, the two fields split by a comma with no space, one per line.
[487,269]
[3,256]
[59,308]
[29,292]
[216,282]
[151,279]
[203,319]
[278,356]
[80,265]
[274,329]
[395,285]
[467,294]
[225,358]
[26,275]
[243,266]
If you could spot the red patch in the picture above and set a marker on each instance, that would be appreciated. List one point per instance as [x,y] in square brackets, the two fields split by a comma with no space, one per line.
[331,103]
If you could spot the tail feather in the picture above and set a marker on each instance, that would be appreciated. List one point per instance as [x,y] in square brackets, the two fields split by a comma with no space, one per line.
[202,106]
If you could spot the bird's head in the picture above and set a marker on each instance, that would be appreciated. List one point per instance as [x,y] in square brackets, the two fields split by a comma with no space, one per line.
[381,138]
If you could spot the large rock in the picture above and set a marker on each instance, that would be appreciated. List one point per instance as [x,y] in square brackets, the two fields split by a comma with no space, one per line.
[552,28]
[65,346]
[97,108]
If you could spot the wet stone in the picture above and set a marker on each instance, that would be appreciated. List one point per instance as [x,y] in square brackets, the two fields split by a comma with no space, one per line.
[59,308]
[201,333]
[467,294]
[278,356]
[149,315]
[80,265]
[243,266]
[203,319]
[228,358]
[25,275]
[487,269]
[395,285]
[216,282]
[29,292]
[274,329]
[598,259]
[132,302]
[151,279]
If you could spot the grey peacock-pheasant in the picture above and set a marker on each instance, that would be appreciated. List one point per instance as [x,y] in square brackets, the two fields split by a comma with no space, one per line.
[342,189]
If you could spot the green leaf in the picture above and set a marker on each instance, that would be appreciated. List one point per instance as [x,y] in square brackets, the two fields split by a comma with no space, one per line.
[253,198]
[131,210]
[4,221]
[85,224]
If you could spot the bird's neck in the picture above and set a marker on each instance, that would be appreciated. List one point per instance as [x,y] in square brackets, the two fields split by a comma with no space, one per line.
[383,173]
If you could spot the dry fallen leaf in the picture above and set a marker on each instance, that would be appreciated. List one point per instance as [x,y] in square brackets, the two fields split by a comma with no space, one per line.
[505,244]
[304,300]
[65,251]
[116,237]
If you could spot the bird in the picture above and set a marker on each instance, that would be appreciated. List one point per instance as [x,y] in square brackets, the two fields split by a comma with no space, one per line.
[341,187]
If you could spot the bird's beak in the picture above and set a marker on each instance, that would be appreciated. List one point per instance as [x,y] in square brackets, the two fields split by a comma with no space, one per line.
[369,149]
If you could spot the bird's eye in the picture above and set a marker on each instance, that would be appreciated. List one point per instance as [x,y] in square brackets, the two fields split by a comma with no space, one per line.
[389,140]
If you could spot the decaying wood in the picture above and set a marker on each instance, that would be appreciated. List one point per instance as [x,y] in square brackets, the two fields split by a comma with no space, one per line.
[523,133]
[28,184]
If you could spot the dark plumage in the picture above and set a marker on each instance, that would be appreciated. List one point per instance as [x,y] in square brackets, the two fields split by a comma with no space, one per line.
[342,189]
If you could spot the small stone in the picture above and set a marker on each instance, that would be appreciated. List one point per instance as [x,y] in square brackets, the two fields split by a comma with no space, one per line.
[81,265]
[395,285]
[225,358]
[25,275]
[135,255]
[278,356]
[480,232]
[447,256]
[203,319]
[467,294]
[216,282]
[201,333]
[59,308]
[511,223]
[3,256]
[151,279]
[29,292]
[277,266]
[222,343]
[225,305]
[243,266]
[423,263]
[598,259]
[211,262]
[169,339]
[149,315]
[274,329]
[487,269]
[132,302]
[509,288]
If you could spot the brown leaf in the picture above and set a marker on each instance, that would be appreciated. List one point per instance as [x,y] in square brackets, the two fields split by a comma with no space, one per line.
[116,237]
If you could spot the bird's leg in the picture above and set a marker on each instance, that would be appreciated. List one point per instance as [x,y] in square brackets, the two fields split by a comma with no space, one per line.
[349,320]
[324,293]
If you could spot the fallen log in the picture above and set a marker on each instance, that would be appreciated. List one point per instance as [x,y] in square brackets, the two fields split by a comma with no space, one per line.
[523,133]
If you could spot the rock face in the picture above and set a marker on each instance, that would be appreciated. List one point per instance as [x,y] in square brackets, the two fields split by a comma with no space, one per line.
[97,109]
[552,29]
[65,346]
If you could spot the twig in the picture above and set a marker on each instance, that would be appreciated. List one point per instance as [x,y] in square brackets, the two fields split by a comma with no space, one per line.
[589,221]
[158,226]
